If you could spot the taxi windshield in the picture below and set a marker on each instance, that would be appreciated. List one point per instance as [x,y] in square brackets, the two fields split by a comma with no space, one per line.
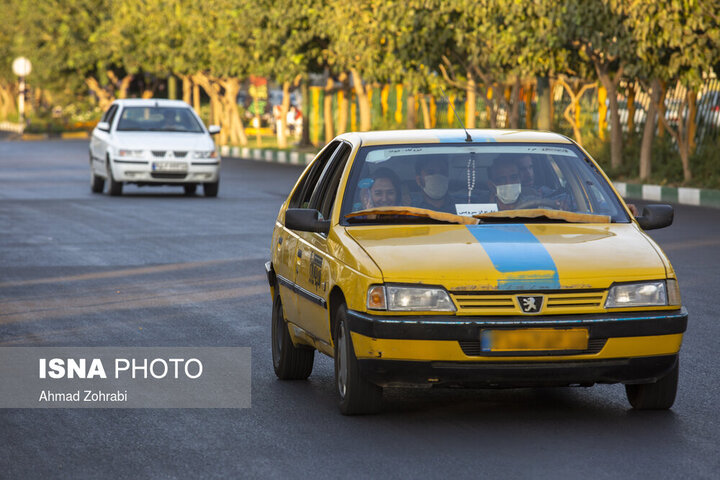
[472,180]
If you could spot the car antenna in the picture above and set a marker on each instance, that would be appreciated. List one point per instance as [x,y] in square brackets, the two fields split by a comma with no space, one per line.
[468,138]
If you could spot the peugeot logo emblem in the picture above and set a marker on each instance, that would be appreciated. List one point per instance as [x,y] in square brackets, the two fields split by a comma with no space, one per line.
[530,304]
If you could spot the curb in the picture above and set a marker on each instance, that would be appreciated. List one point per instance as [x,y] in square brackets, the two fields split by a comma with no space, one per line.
[658,193]
[267,155]
[684,195]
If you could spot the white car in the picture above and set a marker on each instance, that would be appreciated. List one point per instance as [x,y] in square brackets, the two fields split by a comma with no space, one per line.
[153,142]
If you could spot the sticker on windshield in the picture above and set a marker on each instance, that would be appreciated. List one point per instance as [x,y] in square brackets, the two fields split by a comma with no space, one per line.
[470,209]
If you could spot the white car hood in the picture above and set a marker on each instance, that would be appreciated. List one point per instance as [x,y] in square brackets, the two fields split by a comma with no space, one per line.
[162,141]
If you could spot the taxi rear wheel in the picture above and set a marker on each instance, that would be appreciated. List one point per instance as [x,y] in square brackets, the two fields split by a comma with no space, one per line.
[290,362]
[654,396]
[357,395]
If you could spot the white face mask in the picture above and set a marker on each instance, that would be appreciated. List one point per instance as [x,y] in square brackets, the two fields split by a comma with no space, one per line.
[509,193]
[436,186]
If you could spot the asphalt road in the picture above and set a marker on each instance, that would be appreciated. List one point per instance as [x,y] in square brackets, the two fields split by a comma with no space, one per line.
[156,268]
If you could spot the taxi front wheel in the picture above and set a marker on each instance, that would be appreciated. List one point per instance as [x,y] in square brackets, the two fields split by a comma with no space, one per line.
[654,396]
[290,362]
[357,395]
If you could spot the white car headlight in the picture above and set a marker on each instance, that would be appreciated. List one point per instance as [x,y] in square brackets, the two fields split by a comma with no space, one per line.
[205,154]
[130,153]
[644,294]
[409,299]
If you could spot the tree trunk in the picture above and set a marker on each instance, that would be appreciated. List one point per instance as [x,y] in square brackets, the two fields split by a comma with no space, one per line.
[327,111]
[196,97]
[427,122]
[186,89]
[692,125]
[681,138]
[631,108]
[470,101]
[610,85]
[528,106]
[363,101]
[544,119]
[572,112]
[515,105]
[305,92]
[343,106]
[105,98]
[661,109]
[233,121]
[284,108]
[649,131]
[411,120]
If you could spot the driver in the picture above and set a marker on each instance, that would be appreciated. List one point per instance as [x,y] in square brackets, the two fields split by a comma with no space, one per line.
[505,185]
[432,175]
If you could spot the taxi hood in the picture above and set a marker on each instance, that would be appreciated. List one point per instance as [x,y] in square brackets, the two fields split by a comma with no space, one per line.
[511,256]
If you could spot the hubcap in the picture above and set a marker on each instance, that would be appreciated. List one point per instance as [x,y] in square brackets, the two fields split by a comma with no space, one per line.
[342,361]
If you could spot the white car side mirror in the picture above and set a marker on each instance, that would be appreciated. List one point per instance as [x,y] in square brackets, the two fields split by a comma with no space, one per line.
[104,126]
[214,129]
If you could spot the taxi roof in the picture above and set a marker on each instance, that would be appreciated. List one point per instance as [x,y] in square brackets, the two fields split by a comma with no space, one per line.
[456,135]
[150,102]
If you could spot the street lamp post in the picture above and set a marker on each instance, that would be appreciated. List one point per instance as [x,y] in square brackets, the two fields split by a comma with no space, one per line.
[22,68]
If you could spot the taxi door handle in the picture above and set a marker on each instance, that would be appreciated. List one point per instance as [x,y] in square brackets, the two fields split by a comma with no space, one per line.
[299,253]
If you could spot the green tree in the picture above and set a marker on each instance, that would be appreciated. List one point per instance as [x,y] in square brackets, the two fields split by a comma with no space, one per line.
[598,30]
[677,41]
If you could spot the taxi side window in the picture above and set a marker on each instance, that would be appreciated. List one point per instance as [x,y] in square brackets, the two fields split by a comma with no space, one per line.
[109,114]
[301,198]
[326,191]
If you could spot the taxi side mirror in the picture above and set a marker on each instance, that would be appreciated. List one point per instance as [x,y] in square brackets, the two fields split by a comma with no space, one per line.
[214,129]
[306,220]
[104,126]
[656,216]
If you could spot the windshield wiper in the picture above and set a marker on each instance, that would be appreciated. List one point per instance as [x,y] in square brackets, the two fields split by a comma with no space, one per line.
[541,214]
[371,215]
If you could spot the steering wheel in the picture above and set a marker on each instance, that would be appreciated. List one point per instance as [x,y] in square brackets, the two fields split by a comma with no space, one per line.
[538,202]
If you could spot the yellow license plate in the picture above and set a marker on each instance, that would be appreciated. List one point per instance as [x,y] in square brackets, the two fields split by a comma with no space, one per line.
[534,339]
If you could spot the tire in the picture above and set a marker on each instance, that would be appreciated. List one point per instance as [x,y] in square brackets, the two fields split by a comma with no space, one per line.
[357,396]
[96,183]
[114,188]
[654,396]
[211,189]
[290,362]
[190,189]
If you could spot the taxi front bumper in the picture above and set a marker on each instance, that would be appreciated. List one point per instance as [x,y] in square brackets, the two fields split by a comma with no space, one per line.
[630,347]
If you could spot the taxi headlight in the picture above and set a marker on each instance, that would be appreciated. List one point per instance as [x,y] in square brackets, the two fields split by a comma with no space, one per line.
[205,154]
[130,153]
[409,299]
[645,294]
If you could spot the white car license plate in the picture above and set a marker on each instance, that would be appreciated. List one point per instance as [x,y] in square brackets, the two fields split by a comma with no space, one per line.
[169,167]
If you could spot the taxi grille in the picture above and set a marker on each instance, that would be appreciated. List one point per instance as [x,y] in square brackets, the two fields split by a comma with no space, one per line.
[174,176]
[180,153]
[476,303]
[473,348]
[158,153]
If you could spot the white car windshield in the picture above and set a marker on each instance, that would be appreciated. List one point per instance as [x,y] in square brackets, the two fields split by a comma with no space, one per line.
[158,119]
[472,180]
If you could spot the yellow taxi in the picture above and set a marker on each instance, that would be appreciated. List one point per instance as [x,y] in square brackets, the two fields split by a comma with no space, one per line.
[481,258]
